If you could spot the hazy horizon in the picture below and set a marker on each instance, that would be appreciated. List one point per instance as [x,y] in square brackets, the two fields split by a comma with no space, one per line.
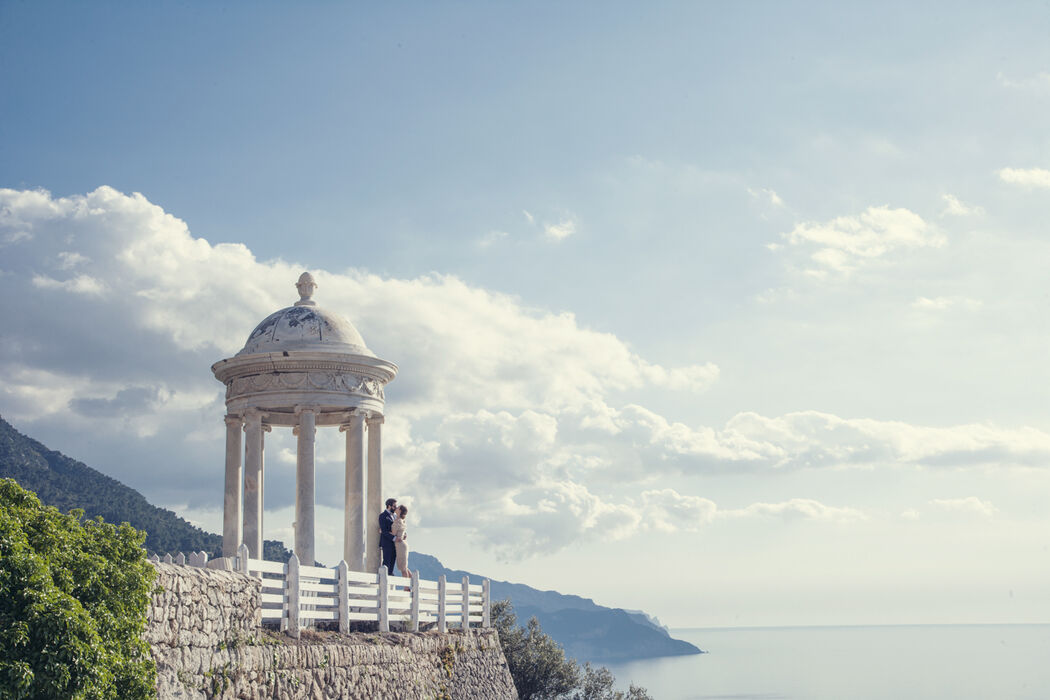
[732,313]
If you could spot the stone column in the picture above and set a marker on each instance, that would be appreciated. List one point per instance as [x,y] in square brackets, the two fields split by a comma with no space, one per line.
[231,506]
[253,464]
[354,495]
[373,554]
[304,486]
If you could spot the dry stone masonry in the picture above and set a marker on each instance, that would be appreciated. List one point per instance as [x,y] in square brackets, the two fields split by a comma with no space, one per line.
[207,641]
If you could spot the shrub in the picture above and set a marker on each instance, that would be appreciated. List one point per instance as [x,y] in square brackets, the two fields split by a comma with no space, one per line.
[73,600]
[537,663]
[540,670]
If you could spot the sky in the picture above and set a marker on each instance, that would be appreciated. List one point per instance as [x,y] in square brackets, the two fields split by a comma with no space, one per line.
[735,313]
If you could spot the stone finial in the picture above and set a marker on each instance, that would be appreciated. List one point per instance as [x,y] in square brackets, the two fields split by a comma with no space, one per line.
[306,287]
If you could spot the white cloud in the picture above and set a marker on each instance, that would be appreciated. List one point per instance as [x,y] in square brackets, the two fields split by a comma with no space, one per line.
[666,510]
[561,230]
[769,196]
[528,216]
[491,238]
[797,509]
[67,260]
[970,505]
[519,417]
[485,383]
[81,284]
[811,440]
[814,439]
[1029,178]
[945,303]
[954,207]
[847,242]
[1038,81]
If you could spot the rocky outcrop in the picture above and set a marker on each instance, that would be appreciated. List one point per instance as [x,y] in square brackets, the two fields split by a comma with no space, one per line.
[206,639]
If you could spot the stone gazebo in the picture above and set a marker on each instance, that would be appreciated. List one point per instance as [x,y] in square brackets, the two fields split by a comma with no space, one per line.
[302,367]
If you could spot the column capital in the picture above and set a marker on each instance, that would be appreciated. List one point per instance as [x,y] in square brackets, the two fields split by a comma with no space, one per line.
[267,428]
[299,410]
[253,416]
[375,418]
[353,414]
[233,420]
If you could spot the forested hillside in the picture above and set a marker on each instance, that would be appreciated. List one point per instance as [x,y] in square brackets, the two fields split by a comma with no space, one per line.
[66,484]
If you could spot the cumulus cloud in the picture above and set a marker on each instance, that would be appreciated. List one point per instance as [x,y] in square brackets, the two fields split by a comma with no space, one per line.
[491,238]
[970,505]
[847,242]
[808,439]
[766,195]
[945,303]
[80,284]
[68,259]
[521,417]
[797,509]
[954,207]
[1030,178]
[666,510]
[128,337]
[1039,81]
[561,230]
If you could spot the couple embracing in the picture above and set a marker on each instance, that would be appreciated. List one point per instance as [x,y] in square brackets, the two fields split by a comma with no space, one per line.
[392,536]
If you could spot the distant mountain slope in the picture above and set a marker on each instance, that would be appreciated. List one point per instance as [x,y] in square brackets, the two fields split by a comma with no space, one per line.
[66,484]
[587,631]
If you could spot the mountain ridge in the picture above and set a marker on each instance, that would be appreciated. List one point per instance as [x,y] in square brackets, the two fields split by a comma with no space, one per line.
[587,631]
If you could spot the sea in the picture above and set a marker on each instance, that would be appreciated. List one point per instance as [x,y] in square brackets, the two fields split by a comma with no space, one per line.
[905,662]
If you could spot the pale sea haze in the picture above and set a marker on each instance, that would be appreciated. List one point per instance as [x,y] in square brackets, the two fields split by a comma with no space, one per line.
[907,662]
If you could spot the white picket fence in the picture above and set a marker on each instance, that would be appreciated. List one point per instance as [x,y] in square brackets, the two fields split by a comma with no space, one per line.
[297,596]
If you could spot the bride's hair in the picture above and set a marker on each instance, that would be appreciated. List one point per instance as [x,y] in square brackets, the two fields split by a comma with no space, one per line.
[403,510]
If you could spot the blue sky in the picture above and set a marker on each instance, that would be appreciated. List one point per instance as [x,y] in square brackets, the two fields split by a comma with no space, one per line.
[749,293]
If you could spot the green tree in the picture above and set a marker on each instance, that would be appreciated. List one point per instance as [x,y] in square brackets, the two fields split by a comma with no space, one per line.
[73,600]
[537,663]
[540,670]
[597,684]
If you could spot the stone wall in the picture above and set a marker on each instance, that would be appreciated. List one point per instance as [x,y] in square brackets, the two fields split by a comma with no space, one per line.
[205,635]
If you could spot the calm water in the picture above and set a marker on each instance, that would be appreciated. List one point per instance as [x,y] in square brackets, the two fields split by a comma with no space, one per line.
[923,662]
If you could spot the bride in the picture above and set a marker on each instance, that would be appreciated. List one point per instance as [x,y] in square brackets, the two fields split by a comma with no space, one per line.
[400,533]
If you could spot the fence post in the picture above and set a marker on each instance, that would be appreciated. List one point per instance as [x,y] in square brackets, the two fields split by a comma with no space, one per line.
[344,597]
[384,601]
[202,559]
[181,559]
[167,559]
[242,558]
[466,603]
[155,559]
[415,600]
[485,604]
[291,595]
[442,624]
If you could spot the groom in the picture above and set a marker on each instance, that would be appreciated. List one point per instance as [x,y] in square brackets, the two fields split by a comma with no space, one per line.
[386,536]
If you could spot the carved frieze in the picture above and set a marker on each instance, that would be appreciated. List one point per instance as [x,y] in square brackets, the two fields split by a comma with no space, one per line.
[342,382]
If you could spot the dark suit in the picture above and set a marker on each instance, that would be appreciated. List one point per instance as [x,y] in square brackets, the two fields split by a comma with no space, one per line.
[386,540]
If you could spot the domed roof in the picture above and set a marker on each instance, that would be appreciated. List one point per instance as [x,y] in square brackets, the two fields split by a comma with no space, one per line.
[305,326]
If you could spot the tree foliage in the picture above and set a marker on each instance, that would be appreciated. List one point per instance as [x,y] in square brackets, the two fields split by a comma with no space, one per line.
[73,600]
[597,684]
[539,667]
